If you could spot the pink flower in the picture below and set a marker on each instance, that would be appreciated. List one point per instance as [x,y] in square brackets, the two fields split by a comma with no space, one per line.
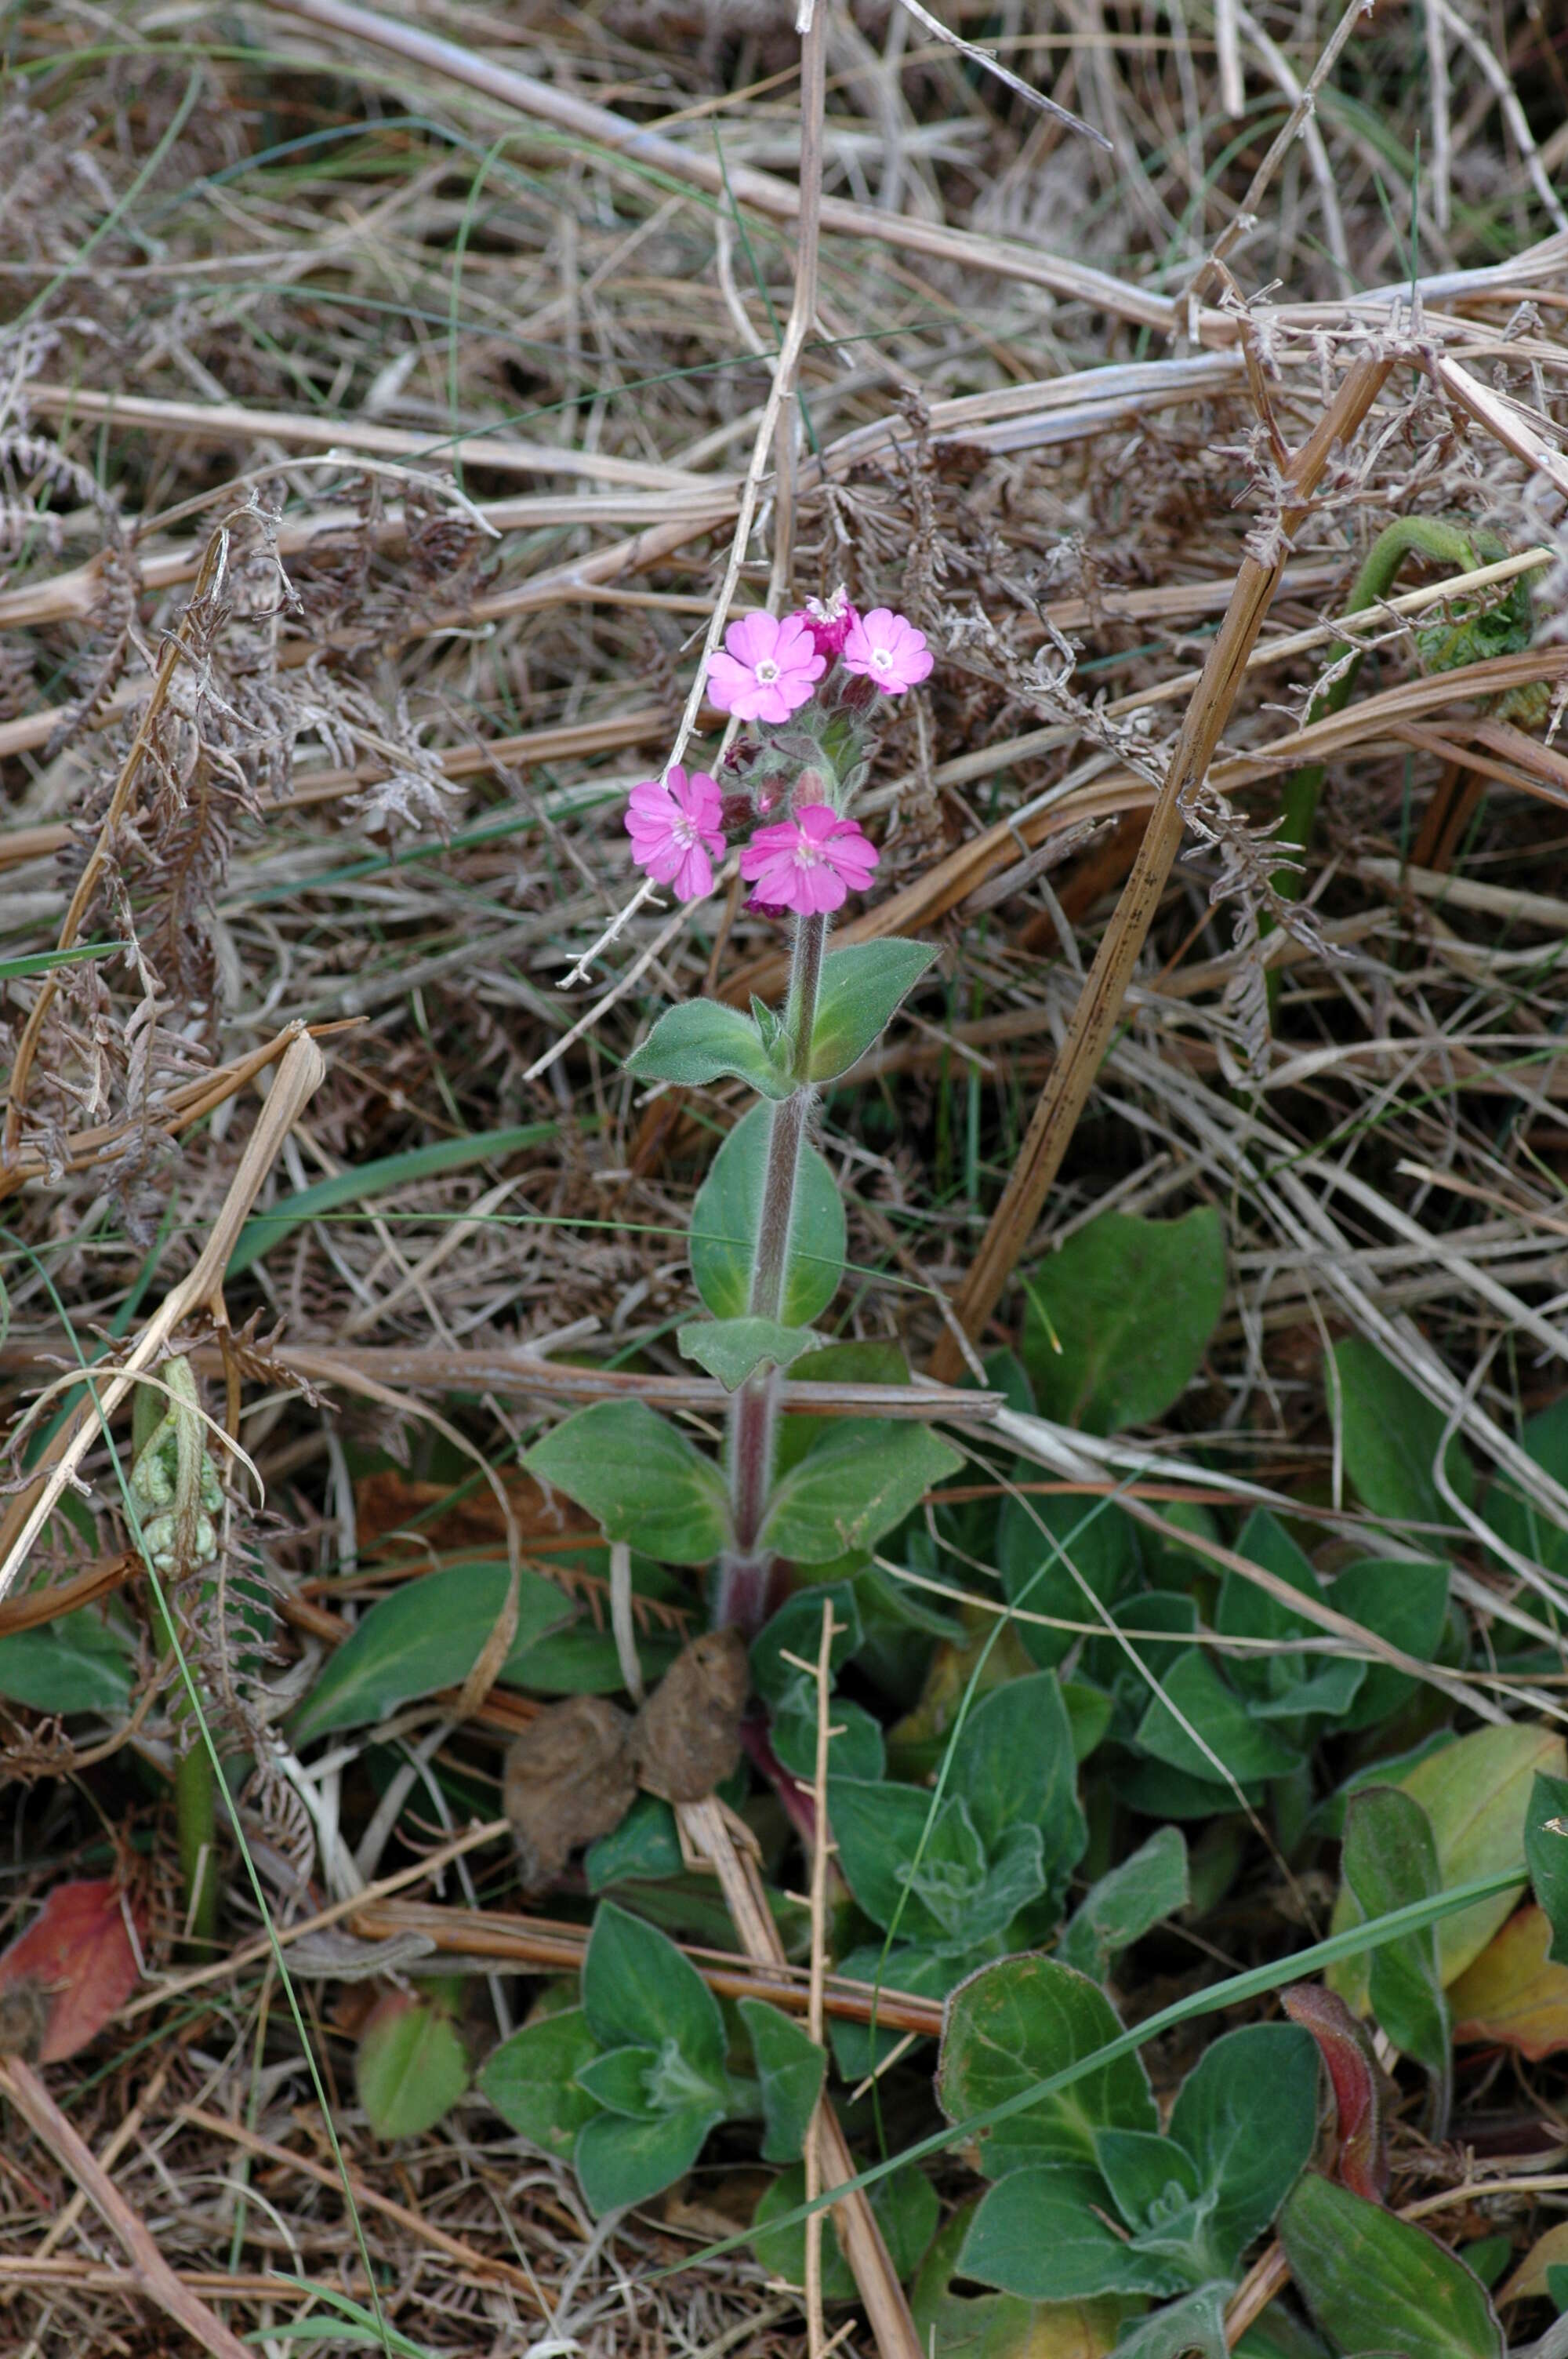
[808,862]
[828,620]
[887,649]
[767,669]
[676,831]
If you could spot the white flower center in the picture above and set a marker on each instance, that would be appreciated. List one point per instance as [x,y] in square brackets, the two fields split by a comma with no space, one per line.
[767,671]
[881,659]
[806,855]
[684,832]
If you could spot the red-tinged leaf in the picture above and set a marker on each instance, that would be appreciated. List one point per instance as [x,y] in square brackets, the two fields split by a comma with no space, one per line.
[75,1965]
[1513,1993]
[1363,2162]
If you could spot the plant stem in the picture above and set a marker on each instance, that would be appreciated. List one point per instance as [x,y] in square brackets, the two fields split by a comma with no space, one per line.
[744,1572]
[196,1811]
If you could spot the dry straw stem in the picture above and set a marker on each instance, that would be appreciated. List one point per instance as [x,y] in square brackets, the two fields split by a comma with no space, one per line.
[149,2272]
[1100,1006]
[295,1081]
[707,1833]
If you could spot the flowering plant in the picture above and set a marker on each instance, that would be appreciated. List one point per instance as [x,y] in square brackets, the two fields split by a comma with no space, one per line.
[768,1233]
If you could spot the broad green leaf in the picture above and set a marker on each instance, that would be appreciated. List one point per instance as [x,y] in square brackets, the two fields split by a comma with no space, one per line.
[638,1991]
[620,2161]
[1389,1857]
[1517,1520]
[734,1349]
[1056,1557]
[410,2066]
[639,1478]
[925,1972]
[860,1479]
[1132,1303]
[1042,2233]
[855,1743]
[791,2067]
[1247,2115]
[855,1749]
[861,985]
[1374,2283]
[918,1867]
[1404,1600]
[1121,1908]
[1014,1764]
[645,1848]
[723,1239]
[1476,1791]
[620,2080]
[79,1663]
[699,1040]
[531,2079]
[1199,1703]
[1546,1855]
[1016,2023]
[426,1634]
[906,2209]
[1002,2325]
[1147,2174]
[1393,1437]
[1280,1685]
[1196,2322]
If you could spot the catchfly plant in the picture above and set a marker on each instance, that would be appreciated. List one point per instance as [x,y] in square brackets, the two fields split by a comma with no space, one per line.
[768,1231]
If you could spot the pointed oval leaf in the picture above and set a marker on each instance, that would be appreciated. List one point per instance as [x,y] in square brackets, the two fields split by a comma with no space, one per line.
[639,1478]
[700,1041]
[1132,1303]
[1376,2283]
[1014,1764]
[1042,2233]
[861,985]
[1124,1904]
[1393,1437]
[723,1239]
[1247,2114]
[621,2162]
[861,1478]
[734,1349]
[1014,2024]
[426,1634]
[531,2079]
[1513,1992]
[791,2067]
[410,2067]
[638,1991]
[79,1663]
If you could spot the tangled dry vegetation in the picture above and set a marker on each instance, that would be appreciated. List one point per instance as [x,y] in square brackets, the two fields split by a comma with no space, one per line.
[373,435]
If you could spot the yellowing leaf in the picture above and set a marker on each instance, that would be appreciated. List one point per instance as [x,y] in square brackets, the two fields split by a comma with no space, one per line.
[1513,1992]
[1528,2282]
[1476,1791]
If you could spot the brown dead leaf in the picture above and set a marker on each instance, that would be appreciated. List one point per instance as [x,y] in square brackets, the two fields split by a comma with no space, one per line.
[64,1977]
[1512,1992]
[687,1739]
[570,1778]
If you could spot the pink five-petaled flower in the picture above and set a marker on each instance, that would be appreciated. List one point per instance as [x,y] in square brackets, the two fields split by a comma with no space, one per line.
[887,649]
[677,830]
[767,669]
[808,862]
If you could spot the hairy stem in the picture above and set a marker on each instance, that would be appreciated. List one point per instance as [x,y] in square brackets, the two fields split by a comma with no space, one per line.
[744,1573]
[196,1812]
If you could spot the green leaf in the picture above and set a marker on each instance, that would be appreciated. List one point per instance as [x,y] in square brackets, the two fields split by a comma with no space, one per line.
[725,1218]
[1058,1556]
[1389,1857]
[855,1744]
[1374,2283]
[1196,2322]
[1546,1855]
[426,1634]
[907,2210]
[620,2081]
[1393,1438]
[699,1040]
[1404,1600]
[1132,1303]
[1122,1906]
[734,1349]
[18,970]
[1014,1764]
[1517,1520]
[620,2161]
[1156,2187]
[79,1663]
[1199,1700]
[861,985]
[856,1482]
[639,1478]
[918,1866]
[1016,2023]
[791,2067]
[645,1848]
[1041,2233]
[791,1694]
[531,2079]
[410,2066]
[638,1991]
[1248,2116]
[1476,1791]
